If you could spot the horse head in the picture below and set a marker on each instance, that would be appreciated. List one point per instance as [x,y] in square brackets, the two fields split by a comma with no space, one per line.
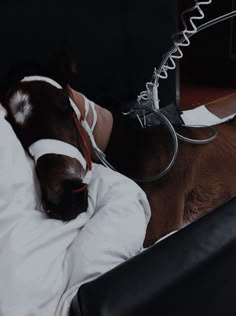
[42,115]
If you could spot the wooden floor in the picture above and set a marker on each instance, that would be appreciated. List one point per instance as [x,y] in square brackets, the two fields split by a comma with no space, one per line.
[192,95]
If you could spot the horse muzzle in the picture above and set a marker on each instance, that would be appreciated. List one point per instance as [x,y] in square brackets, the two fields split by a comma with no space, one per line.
[70,203]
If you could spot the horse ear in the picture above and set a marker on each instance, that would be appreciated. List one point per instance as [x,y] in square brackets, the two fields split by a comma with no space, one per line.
[62,67]
[17,72]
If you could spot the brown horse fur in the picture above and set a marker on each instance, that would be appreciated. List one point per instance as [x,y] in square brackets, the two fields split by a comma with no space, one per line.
[201,179]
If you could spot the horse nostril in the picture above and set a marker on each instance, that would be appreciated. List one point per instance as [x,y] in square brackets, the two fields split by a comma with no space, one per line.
[67,203]
[76,200]
[80,200]
[78,193]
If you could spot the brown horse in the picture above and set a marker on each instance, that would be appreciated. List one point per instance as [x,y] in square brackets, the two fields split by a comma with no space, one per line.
[201,179]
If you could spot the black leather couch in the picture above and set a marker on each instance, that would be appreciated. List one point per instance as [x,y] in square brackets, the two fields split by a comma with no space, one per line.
[188,273]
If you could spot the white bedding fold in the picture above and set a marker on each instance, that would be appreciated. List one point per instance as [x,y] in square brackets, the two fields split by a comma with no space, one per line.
[44,261]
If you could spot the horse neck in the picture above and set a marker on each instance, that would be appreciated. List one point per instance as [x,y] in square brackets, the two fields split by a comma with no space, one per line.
[131,150]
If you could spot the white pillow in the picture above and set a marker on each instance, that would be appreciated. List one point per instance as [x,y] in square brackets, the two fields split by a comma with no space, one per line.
[16,173]
[44,261]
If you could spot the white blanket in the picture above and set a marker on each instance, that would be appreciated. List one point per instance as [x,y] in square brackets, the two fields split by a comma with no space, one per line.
[44,261]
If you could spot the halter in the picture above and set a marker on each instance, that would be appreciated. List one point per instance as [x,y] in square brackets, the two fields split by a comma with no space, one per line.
[52,146]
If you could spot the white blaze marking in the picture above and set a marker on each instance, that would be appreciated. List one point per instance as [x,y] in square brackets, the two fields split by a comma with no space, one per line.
[20,106]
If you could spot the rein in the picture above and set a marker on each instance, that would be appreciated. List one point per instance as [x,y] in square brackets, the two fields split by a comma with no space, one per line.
[85,147]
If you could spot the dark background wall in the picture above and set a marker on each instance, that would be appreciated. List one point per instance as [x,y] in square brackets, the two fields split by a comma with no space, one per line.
[116,43]
[211,57]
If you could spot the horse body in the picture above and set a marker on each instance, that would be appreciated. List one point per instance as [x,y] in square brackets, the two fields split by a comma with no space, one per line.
[201,179]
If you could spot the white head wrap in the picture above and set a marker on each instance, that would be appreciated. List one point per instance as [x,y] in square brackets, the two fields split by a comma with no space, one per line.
[53,146]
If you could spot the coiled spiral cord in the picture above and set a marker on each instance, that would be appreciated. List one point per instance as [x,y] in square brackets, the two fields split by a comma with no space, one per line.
[169,63]
[169,60]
